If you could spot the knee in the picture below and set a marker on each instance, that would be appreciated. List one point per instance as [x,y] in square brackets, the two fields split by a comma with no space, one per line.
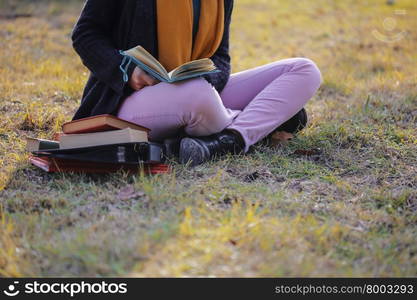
[201,96]
[310,68]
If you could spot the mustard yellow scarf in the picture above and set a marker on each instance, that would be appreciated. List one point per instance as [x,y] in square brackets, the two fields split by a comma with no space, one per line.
[175,28]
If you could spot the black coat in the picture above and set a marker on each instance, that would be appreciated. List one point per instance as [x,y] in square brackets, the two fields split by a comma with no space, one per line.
[107,26]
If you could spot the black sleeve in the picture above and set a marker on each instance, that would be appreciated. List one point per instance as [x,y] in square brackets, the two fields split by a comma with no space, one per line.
[91,38]
[221,57]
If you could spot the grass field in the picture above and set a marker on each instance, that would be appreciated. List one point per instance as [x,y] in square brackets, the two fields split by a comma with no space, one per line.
[339,200]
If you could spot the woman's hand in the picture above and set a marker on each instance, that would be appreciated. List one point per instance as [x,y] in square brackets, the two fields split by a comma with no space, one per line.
[140,79]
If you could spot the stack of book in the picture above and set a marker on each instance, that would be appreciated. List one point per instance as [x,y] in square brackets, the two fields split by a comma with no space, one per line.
[99,144]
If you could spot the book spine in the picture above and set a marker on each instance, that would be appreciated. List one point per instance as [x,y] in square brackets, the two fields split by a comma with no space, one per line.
[44,145]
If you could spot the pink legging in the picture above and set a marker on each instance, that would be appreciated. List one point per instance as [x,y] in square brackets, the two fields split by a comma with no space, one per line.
[254,102]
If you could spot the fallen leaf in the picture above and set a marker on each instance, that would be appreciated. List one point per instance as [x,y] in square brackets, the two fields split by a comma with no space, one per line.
[233,242]
[281,138]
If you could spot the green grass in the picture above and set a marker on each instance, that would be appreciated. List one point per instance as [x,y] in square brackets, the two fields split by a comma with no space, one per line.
[346,209]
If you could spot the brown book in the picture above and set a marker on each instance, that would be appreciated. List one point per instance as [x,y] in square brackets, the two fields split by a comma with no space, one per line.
[99,123]
[52,165]
[127,135]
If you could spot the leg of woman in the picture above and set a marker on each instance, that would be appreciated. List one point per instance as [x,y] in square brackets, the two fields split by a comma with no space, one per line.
[166,108]
[269,96]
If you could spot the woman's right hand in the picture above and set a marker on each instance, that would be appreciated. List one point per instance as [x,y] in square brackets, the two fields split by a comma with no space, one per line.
[140,79]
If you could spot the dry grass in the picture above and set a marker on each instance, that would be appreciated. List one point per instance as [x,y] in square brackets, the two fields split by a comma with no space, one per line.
[348,208]
[10,260]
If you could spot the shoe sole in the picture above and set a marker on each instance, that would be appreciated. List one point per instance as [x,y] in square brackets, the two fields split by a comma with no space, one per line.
[191,152]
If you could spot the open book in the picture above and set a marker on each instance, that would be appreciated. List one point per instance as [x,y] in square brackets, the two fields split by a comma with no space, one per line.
[144,60]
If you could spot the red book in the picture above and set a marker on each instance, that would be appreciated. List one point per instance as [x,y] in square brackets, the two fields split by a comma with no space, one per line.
[53,165]
[99,123]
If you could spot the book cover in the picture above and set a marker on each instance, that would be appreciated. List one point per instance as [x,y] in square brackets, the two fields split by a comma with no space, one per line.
[99,123]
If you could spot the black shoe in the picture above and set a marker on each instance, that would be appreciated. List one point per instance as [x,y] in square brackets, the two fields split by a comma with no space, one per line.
[172,147]
[294,125]
[198,150]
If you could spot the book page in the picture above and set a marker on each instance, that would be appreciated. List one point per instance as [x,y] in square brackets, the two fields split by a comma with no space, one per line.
[145,57]
[192,67]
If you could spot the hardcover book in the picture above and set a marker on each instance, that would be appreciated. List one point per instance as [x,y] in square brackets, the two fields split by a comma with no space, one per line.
[99,123]
[127,135]
[52,165]
[129,153]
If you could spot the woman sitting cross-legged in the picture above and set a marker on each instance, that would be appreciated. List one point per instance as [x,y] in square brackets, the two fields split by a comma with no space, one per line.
[219,113]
